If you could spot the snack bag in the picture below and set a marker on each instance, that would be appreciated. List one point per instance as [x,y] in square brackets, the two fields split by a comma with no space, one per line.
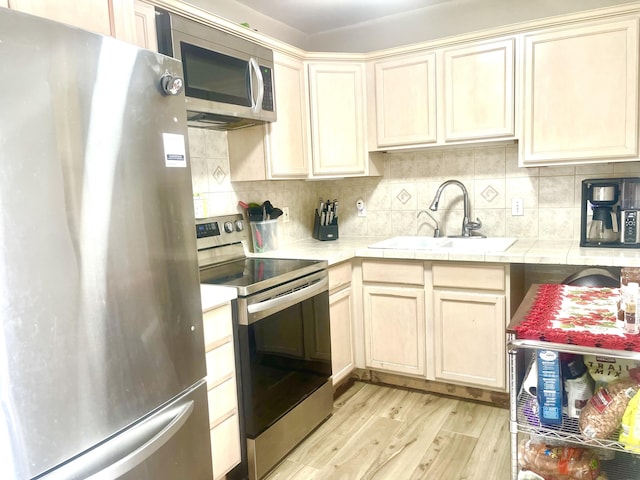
[558,462]
[605,370]
[602,414]
[630,434]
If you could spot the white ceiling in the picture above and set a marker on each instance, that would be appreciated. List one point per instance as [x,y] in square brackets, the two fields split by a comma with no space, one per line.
[369,25]
[315,16]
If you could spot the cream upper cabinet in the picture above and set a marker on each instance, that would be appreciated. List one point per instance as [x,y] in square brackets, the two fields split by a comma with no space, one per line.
[447,95]
[108,17]
[580,99]
[277,150]
[319,131]
[394,316]
[479,97]
[145,18]
[337,107]
[288,138]
[405,97]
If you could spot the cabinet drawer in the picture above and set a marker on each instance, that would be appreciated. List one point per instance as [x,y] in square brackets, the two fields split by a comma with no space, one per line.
[483,277]
[225,446]
[411,273]
[222,401]
[217,326]
[339,275]
[220,364]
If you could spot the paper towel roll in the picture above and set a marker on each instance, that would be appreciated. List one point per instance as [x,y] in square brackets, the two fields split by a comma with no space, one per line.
[530,384]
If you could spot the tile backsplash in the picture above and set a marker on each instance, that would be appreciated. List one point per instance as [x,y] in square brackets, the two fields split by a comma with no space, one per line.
[550,195]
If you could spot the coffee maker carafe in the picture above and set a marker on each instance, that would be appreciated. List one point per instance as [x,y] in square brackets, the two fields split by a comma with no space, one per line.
[604,221]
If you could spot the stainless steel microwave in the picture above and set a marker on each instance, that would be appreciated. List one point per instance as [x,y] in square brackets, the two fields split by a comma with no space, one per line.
[228,80]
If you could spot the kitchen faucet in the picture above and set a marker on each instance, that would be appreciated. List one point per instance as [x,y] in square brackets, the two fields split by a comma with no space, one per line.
[436,230]
[467,225]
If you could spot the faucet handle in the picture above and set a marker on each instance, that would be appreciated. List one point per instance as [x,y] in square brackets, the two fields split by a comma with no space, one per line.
[474,225]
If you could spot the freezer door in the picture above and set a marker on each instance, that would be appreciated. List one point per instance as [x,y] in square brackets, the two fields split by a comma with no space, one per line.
[100,309]
[173,443]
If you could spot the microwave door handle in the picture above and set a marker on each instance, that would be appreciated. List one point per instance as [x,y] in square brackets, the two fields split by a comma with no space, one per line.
[254,67]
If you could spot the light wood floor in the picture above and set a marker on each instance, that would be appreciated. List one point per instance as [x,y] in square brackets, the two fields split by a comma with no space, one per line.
[385,433]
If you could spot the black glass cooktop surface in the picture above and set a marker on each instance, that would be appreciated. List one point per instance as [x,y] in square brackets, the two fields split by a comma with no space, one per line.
[250,275]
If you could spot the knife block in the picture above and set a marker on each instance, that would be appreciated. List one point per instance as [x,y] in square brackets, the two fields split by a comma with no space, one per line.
[324,232]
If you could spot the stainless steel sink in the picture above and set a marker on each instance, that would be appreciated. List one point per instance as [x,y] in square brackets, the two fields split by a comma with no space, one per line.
[446,244]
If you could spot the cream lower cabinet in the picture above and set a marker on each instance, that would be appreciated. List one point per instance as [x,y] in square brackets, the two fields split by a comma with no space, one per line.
[394,316]
[580,100]
[222,394]
[341,315]
[442,321]
[108,17]
[469,321]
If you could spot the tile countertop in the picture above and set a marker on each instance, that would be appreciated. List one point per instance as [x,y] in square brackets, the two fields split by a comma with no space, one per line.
[524,250]
[213,296]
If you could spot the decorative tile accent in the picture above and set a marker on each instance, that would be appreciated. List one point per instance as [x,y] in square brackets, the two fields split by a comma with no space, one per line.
[219,175]
[489,194]
[403,196]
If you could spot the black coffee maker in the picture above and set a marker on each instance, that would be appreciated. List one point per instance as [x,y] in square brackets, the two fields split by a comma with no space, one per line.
[601,210]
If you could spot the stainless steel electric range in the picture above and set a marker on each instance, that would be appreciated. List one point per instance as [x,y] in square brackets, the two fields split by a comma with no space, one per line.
[283,339]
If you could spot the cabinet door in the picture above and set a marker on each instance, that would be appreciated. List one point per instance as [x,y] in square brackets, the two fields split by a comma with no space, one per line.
[394,325]
[581,93]
[341,314]
[406,100]
[108,17]
[337,102]
[225,447]
[478,91]
[469,338]
[288,137]
[145,18]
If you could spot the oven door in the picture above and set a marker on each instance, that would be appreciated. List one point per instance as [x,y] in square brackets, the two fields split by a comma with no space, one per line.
[285,348]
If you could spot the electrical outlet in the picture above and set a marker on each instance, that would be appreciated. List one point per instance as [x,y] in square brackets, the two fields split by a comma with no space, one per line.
[285,214]
[517,207]
[362,208]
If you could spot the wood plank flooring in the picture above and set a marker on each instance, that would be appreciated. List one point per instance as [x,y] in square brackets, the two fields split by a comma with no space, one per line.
[385,433]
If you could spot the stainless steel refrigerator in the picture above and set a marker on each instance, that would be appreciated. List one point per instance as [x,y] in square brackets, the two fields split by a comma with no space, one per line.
[101,345]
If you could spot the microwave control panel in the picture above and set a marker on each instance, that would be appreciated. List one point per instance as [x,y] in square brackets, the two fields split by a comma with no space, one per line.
[267,100]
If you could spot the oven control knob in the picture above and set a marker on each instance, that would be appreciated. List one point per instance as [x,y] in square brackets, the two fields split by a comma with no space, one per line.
[239,225]
[228,227]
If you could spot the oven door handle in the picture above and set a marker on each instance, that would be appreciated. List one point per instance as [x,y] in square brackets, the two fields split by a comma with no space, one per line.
[284,301]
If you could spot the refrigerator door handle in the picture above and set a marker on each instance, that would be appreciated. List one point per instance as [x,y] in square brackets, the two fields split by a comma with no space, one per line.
[127,450]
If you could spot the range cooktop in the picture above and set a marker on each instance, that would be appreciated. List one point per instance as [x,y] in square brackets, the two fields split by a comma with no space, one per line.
[251,275]
[223,261]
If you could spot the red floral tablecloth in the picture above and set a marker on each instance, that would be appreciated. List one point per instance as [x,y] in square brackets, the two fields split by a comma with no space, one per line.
[577,315]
